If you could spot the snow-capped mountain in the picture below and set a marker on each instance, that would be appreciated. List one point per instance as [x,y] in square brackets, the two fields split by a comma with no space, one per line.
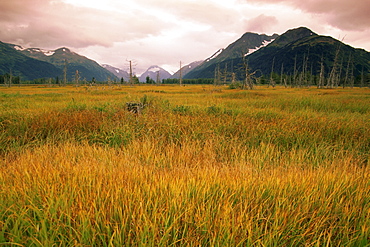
[27,68]
[155,72]
[87,68]
[247,44]
[285,53]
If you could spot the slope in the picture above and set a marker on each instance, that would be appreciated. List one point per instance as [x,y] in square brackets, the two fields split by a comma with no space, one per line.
[248,43]
[295,51]
[86,68]
[12,61]
[186,69]
[117,72]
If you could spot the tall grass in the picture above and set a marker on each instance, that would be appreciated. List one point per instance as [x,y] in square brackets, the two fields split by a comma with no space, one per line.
[270,167]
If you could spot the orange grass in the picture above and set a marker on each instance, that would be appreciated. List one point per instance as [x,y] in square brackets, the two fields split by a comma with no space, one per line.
[199,166]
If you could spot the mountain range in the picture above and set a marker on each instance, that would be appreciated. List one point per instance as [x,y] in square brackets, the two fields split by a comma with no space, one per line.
[64,57]
[18,64]
[292,52]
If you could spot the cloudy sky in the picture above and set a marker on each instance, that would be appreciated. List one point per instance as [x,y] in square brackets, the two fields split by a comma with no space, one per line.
[163,32]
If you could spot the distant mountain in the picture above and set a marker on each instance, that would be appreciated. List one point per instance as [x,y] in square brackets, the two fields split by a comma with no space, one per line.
[186,69]
[12,61]
[86,68]
[117,72]
[290,53]
[153,71]
[245,45]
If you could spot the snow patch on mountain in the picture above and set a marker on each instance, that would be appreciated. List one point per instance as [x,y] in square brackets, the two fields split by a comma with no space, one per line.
[19,48]
[49,53]
[154,72]
[154,69]
[264,43]
[215,54]
[34,50]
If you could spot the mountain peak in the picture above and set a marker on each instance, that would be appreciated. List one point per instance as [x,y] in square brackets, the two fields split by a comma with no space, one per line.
[152,73]
[63,50]
[300,31]
[154,68]
[245,45]
[293,35]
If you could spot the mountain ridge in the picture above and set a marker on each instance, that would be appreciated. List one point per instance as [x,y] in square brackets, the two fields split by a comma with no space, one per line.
[86,67]
[27,68]
[117,72]
[289,53]
[245,44]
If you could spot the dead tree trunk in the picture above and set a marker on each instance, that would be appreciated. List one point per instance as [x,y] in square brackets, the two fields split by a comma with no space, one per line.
[322,71]
[333,74]
[180,77]
[272,81]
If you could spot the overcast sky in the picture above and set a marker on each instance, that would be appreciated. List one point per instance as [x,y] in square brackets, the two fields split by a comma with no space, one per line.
[163,32]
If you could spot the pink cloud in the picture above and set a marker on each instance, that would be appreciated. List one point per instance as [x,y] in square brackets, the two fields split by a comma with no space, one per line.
[261,23]
[51,24]
[343,14]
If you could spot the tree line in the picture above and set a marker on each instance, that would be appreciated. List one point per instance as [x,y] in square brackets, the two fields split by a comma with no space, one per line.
[221,78]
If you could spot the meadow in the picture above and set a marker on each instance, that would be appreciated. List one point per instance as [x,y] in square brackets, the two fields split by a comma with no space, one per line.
[199,166]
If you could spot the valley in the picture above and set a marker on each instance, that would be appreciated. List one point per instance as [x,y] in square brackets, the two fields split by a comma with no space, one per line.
[299,57]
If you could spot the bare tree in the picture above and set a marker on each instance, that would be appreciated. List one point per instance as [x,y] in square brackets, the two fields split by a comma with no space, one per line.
[295,71]
[10,78]
[321,78]
[283,80]
[180,78]
[272,81]
[339,74]
[248,81]
[225,74]
[77,78]
[233,77]
[346,78]
[157,81]
[131,78]
[333,77]
[65,71]
[217,76]
[131,73]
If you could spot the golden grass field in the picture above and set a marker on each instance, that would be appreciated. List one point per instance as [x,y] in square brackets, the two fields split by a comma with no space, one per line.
[200,166]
